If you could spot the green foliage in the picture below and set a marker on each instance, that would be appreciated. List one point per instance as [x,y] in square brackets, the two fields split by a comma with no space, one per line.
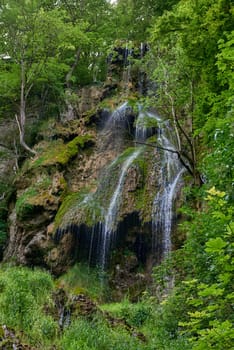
[82,279]
[86,335]
[134,314]
[32,38]
[23,295]
[204,298]
[132,19]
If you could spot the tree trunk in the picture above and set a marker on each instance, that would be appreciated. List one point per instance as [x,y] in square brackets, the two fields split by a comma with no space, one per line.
[73,67]
[21,119]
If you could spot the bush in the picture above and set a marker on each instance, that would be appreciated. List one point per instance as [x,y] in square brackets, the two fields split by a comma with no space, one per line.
[84,335]
[83,279]
[23,295]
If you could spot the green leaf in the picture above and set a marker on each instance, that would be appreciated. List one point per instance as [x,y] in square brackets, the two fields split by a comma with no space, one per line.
[215,245]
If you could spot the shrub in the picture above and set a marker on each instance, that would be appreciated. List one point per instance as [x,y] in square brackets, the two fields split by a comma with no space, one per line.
[84,335]
[23,295]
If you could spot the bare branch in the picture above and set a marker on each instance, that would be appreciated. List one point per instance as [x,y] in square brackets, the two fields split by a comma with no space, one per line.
[22,142]
[180,156]
[174,119]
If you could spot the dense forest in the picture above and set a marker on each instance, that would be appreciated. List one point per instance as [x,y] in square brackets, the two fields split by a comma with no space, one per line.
[64,65]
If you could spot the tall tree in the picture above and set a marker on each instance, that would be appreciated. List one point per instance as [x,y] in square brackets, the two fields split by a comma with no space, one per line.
[185,67]
[30,41]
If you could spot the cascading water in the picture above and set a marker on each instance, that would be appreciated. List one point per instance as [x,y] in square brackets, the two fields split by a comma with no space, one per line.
[146,125]
[171,181]
[127,67]
[171,171]
[99,227]
[110,218]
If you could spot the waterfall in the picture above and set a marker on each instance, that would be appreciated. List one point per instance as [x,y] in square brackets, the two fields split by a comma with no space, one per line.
[111,216]
[127,67]
[96,217]
[170,182]
[119,114]
[146,125]
[141,128]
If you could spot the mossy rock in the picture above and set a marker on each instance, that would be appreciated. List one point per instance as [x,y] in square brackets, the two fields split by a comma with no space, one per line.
[85,207]
[57,152]
[24,208]
[45,192]
[77,208]
[52,130]
[90,116]
[89,208]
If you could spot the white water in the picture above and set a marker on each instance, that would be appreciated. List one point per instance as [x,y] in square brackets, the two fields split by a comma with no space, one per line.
[171,171]
[143,129]
[110,217]
[119,114]
[170,181]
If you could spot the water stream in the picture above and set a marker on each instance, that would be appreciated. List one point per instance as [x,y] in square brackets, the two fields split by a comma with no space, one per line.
[112,212]
[168,178]
[171,171]
[170,181]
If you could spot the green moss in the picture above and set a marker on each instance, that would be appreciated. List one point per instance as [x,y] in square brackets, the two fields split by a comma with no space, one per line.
[133,102]
[83,279]
[50,129]
[88,115]
[57,152]
[152,139]
[79,207]
[123,156]
[89,208]
[69,202]
[37,195]
[23,206]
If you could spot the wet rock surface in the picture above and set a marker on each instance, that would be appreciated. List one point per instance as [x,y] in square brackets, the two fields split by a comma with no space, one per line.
[64,194]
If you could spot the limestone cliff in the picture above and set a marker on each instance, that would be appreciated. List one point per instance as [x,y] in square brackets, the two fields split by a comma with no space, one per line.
[90,172]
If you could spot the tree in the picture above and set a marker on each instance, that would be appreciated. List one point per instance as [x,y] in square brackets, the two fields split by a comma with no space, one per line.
[31,38]
[89,32]
[132,19]
[185,69]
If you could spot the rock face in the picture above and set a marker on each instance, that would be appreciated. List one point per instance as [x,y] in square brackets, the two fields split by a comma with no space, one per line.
[89,189]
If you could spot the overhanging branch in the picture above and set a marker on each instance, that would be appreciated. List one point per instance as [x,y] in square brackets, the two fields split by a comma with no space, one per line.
[187,167]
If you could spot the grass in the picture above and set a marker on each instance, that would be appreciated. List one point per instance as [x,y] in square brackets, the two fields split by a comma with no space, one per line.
[28,309]
[82,279]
